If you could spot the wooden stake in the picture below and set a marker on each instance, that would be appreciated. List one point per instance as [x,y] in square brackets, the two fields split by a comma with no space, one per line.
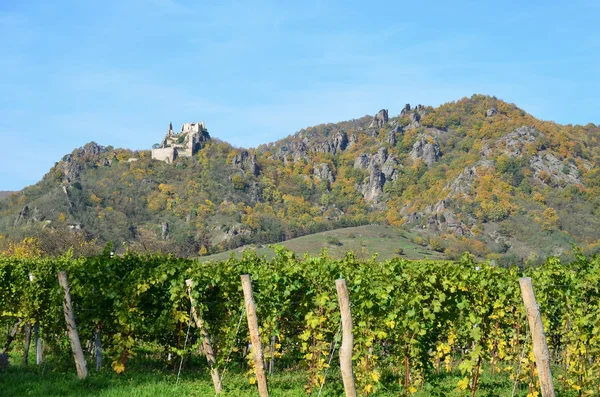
[72,327]
[98,347]
[27,343]
[38,343]
[347,338]
[11,336]
[259,365]
[206,344]
[540,348]
[272,360]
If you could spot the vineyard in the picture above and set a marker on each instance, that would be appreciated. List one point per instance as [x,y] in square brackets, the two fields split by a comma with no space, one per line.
[414,321]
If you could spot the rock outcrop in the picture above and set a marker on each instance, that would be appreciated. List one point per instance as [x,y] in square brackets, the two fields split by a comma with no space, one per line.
[513,144]
[361,162]
[381,167]
[414,121]
[21,216]
[245,162]
[322,172]
[391,138]
[426,149]
[463,183]
[405,110]
[491,112]
[549,170]
[73,163]
[380,119]
[340,141]
[373,187]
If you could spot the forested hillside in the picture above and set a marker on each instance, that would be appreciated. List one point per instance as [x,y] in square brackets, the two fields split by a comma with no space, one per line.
[478,175]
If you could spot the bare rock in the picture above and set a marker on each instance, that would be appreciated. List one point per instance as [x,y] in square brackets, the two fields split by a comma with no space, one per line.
[380,119]
[486,151]
[491,112]
[246,162]
[353,139]
[405,110]
[421,111]
[164,234]
[463,183]
[389,168]
[427,149]
[381,155]
[340,141]
[391,138]
[21,216]
[548,169]
[513,144]
[361,162]
[414,121]
[323,172]
[373,188]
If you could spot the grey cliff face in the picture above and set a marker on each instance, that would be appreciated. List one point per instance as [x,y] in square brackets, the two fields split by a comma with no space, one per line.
[340,141]
[513,144]
[550,170]
[381,167]
[427,149]
[380,119]
[323,172]
[361,162]
[246,162]
[463,183]
[391,138]
[373,188]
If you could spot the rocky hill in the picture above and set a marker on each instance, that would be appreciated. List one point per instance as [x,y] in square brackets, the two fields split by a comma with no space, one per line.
[478,175]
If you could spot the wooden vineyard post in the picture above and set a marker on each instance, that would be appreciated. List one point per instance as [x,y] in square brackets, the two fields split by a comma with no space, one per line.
[11,336]
[540,348]
[98,347]
[206,344]
[38,343]
[261,378]
[347,338]
[72,328]
[27,343]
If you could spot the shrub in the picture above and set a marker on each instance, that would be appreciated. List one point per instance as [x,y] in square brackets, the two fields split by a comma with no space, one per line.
[332,240]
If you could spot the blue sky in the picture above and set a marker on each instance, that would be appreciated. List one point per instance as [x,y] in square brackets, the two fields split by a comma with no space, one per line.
[117,72]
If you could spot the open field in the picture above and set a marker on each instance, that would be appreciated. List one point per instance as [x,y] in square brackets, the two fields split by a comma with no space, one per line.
[365,241]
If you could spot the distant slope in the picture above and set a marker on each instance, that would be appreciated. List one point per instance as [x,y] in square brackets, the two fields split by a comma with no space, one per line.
[5,193]
[365,241]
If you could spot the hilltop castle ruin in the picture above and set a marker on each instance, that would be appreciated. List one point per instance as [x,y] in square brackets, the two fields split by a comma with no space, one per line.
[184,144]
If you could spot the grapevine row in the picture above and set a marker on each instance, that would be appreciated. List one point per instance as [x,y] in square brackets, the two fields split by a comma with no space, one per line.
[411,318]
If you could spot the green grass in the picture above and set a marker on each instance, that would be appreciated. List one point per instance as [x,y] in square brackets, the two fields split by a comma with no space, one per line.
[35,381]
[145,377]
[364,241]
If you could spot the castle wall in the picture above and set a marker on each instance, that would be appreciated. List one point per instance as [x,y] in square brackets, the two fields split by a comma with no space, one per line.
[167,154]
[195,134]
